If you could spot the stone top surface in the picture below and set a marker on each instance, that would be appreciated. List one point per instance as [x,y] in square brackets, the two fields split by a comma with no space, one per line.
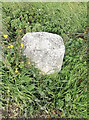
[45,49]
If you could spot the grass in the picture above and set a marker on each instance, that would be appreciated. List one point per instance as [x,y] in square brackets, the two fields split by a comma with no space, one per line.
[26,92]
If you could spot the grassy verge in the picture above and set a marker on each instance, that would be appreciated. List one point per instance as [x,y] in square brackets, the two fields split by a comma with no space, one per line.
[27,93]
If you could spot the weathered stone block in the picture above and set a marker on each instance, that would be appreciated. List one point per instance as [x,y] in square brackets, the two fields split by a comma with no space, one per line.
[45,49]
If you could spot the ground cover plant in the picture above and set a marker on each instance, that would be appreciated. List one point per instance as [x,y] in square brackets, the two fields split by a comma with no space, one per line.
[26,92]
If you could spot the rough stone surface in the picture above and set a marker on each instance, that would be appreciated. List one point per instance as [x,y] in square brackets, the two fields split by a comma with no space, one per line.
[45,49]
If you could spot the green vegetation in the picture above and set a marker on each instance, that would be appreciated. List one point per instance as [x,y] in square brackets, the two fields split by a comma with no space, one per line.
[27,93]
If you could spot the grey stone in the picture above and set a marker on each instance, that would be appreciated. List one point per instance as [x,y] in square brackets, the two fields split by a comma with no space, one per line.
[45,49]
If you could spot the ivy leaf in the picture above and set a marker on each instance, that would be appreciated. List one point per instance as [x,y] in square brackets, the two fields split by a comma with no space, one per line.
[31,87]
[68,97]
[60,103]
